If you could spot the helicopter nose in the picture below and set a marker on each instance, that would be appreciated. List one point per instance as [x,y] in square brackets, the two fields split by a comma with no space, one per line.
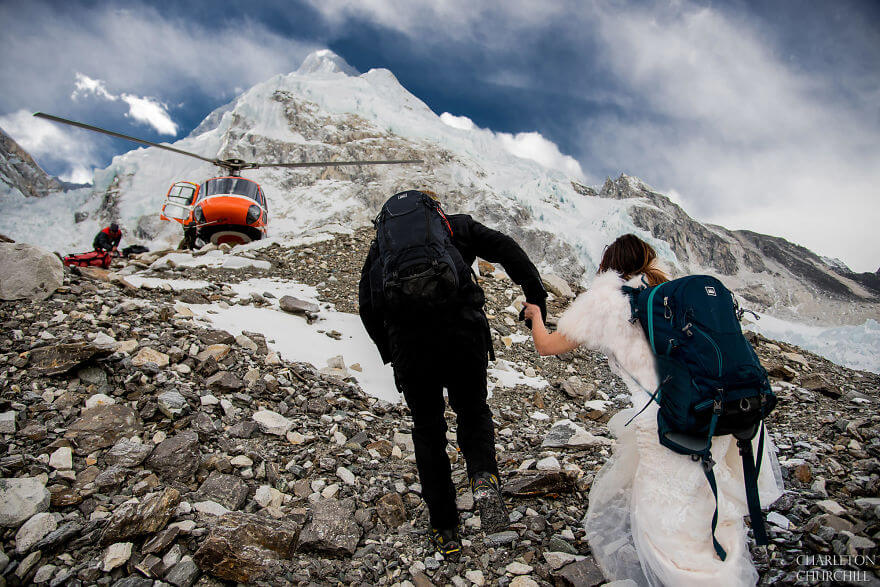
[225,210]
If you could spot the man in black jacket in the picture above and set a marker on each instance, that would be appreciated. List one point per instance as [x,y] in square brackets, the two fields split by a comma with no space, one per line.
[108,239]
[448,349]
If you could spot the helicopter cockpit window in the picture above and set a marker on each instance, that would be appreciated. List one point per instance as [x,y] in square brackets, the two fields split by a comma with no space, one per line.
[181,194]
[232,185]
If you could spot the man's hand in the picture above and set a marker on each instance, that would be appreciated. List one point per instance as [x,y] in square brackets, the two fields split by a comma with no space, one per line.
[531,313]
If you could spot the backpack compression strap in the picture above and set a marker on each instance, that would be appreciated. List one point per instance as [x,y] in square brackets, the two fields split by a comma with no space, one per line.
[751,470]
[708,464]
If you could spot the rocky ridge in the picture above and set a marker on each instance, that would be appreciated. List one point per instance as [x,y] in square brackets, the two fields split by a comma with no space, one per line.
[19,172]
[144,448]
[769,272]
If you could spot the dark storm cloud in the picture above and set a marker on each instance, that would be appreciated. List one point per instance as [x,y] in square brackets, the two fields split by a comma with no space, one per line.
[757,115]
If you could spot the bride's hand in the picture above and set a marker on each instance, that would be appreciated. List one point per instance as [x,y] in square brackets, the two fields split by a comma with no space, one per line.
[532,312]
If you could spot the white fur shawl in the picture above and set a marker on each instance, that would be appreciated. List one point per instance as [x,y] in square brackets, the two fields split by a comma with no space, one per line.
[599,320]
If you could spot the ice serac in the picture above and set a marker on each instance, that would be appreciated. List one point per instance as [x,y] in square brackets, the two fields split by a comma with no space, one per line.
[19,172]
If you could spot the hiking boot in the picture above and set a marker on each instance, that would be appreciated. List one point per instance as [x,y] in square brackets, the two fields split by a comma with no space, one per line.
[446,542]
[487,498]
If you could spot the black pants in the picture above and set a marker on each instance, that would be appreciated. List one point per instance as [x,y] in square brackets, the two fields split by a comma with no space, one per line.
[423,366]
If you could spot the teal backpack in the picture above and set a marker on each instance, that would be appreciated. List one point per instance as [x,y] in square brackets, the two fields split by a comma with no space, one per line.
[712,382]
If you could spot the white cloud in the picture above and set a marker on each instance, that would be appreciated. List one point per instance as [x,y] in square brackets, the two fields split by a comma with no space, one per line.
[138,50]
[145,109]
[44,139]
[528,145]
[531,145]
[460,122]
[742,138]
[151,112]
[84,85]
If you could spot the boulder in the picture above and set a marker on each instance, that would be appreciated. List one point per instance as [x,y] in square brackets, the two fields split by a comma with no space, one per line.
[128,453]
[224,382]
[138,518]
[176,458]
[103,426]
[296,306]
[272,423]
[227,490]
[33,531]
[582,573]
[557,286]
[391,510]
[245,547]
[61,358]
[21,498]
[332,529]
[28,272]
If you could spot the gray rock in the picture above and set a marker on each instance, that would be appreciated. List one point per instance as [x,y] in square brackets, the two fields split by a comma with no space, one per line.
[103,426]
[227,490]
[332,529]
[225,382]
[34,530]
[501,538]
[183,574]
[160,541]
[21,498]
[272,423]
[7,422]
[204,425]
[583,573]
[92,376]
[245,547]
[172,404]
[296,306]
[44,574]
[112,477]
[28,272]
[133,581]
[176,458]
[566,433]
[128,453]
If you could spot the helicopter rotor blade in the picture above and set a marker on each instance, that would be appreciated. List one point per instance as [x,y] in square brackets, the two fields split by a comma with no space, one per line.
[121,136]
[338,163]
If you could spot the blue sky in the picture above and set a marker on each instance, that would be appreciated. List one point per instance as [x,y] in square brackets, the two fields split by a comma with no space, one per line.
[758,115]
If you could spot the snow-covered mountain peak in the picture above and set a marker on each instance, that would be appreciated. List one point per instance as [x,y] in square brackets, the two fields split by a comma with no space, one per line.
[325,111]
[326,61]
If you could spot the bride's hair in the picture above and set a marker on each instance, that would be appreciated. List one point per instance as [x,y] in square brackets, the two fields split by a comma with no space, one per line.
[629,255]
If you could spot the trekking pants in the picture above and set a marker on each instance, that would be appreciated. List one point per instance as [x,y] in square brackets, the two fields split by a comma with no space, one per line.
[423,366]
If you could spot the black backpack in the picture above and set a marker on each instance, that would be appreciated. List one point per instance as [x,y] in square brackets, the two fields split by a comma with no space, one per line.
[711,381]
[420,267]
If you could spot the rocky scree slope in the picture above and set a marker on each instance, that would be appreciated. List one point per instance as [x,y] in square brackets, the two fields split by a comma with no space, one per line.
[142,447]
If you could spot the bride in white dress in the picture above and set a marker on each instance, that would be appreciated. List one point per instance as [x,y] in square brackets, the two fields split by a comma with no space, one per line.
[650,509]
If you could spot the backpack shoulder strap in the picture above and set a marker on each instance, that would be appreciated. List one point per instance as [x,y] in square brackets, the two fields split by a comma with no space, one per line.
[633,294]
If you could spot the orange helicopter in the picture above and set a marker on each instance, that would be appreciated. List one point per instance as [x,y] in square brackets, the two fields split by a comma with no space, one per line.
[227,209]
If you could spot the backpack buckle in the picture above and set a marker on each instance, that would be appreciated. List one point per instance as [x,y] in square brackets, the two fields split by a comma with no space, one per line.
[708,462]
[716,407]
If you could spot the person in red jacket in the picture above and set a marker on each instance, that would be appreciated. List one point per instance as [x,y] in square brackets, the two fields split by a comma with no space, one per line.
[108,239]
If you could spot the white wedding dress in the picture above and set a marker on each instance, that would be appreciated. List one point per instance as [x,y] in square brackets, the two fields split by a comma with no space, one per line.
[650,509]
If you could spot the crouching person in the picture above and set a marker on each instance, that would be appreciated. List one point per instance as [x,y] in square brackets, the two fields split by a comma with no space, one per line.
[421,305]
